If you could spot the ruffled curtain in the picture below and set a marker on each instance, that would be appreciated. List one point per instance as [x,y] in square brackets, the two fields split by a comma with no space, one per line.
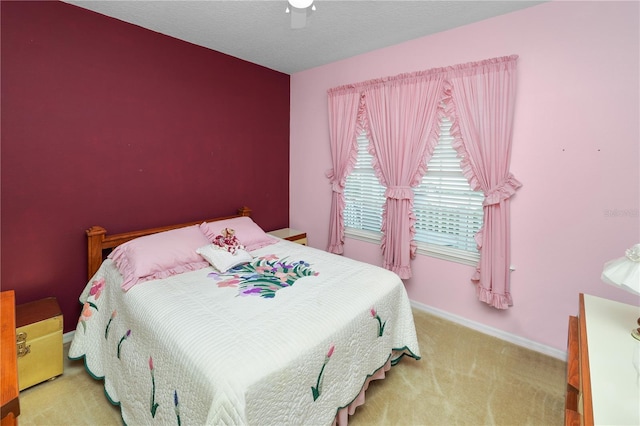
[482,98]
[400,115]
[403,132]
[344,127]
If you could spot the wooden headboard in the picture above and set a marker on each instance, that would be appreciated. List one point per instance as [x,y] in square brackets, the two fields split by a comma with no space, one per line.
[98,241]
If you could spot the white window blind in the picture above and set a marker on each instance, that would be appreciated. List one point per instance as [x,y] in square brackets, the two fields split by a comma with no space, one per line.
[364,196]
[448,213]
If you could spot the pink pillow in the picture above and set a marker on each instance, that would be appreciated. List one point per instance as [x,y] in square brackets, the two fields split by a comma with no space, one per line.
[160,255]
[250,235]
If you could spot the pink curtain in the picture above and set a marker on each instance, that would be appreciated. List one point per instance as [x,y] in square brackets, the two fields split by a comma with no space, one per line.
[403,132]
[399,114]
[344,127]
[482,97]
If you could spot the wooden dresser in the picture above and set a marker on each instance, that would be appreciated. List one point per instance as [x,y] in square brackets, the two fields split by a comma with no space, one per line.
[9,380]
[603,385]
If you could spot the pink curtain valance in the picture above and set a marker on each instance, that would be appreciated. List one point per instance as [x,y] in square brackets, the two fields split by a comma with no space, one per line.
[469,68]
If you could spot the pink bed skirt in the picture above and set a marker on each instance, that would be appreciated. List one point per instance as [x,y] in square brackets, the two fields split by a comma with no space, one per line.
[342,418]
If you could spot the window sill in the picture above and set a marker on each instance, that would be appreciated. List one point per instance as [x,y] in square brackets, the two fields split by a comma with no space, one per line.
[448,253]
[431,250]
[358,234]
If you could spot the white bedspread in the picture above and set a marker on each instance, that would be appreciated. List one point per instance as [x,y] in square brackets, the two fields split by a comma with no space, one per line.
[191,350]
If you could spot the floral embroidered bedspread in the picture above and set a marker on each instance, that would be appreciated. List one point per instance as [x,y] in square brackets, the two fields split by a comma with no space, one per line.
[263,276]
[289,338]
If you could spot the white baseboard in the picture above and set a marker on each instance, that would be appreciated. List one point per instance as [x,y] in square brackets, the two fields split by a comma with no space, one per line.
[503,335]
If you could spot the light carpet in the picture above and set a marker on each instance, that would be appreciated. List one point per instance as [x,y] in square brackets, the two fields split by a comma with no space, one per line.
[464,378]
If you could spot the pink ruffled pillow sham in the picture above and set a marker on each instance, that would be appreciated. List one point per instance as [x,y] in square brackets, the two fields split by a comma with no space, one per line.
[249,234]
[160,255]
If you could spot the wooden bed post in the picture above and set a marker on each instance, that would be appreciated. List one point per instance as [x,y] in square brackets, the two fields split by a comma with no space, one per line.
[95,237]
[244,211]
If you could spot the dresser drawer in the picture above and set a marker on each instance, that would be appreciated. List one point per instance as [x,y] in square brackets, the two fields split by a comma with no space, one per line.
[39,342]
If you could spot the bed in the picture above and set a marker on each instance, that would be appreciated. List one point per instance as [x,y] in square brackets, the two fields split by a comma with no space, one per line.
[290,335]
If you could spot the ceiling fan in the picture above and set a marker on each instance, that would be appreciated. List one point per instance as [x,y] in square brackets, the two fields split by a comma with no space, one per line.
[299,10]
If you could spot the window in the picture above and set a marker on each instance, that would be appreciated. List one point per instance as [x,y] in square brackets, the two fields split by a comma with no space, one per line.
[363,195]
[448,213]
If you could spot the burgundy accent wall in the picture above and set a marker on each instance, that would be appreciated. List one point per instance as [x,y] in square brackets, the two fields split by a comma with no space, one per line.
[105,123]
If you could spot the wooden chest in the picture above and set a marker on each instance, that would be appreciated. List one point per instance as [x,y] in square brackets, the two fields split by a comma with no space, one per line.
[39,341]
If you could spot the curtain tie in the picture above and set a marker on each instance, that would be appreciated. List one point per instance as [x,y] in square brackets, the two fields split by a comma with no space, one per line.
[335,185]
[399,192]
[505,189]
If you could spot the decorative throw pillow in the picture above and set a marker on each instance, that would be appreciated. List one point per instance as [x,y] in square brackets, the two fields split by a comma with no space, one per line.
[223,260]
[159,255]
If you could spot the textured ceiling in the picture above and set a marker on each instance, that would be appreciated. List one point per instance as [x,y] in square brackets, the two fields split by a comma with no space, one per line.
[260,31]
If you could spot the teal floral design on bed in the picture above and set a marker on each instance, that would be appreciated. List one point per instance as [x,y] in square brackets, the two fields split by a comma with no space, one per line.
[106,330]
[154,404]
[176,407]
[122,340]
[381,324]
[317,389]
[263,276]
[95,292]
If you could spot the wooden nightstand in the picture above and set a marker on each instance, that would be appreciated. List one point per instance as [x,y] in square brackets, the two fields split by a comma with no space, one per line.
[290,234]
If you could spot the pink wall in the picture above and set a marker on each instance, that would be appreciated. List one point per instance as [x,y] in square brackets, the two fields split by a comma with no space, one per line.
[105,123]
[575,149]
